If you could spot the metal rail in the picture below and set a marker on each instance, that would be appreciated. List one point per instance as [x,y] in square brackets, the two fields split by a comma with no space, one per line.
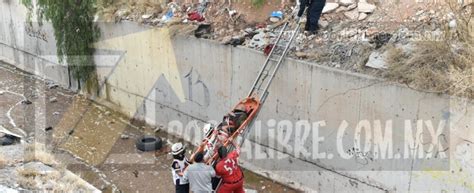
[270,67]
[268,71]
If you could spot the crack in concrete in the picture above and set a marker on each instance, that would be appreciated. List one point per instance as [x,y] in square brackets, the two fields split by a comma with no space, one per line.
[325,168]
[413,160]
[345,92]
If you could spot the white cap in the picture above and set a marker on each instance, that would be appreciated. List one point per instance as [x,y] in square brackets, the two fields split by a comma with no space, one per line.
[177,148]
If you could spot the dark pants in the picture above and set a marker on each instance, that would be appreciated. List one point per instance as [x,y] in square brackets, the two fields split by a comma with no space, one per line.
[315,8]
[184,188]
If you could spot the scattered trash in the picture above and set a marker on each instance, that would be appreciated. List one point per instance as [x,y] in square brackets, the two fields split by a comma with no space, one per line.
[158,129]
[452,24]
[268,49]
[258,40]
[26,102]
[276,16]
[203,31]
[303,55]
[48,129]
[122,13]
[377,60]
[135,173]
[149,143]
[237,41]
[53,100]
[2,92]
[124,136]
[53,86]
[147,16]
[380,39]
[232,12]
[202,7]
[107,113]
[261,25]
[250,191]
[56,113]
[167,17]
[195,16]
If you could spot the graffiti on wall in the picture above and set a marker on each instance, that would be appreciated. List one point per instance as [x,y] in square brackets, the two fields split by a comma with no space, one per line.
[198,92]
[35,33]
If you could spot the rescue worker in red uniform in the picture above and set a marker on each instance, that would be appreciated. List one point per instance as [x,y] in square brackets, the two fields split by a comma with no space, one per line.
[229,171]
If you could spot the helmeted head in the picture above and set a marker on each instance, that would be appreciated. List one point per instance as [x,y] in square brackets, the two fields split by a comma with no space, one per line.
[178,150]
[207,130]
[222,151]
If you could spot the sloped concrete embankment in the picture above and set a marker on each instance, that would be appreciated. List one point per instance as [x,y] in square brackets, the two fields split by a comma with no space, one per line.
[173,81]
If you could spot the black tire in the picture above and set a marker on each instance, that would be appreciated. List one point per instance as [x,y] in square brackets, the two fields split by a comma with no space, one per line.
[6,140]
[149,143]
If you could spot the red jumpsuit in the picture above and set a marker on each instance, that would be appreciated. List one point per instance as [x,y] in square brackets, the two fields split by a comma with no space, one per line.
[231,174]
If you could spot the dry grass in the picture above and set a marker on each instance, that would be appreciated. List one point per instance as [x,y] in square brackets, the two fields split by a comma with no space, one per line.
[439,66]
[28,183]
[433,66]
[38,152]
[33,179]
[58,180]
[70,183]
[134,9]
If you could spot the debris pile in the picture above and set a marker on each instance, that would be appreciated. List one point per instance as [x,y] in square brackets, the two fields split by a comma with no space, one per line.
[354,34]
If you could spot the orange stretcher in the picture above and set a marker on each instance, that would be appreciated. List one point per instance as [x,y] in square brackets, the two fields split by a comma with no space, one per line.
[258,93]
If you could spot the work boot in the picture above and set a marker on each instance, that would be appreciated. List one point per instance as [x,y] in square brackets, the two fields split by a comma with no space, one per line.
[310,33]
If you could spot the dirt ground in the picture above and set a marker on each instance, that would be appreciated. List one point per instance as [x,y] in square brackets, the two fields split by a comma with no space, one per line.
[93,141]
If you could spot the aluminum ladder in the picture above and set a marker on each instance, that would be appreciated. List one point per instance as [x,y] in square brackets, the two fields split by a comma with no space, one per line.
[269,69]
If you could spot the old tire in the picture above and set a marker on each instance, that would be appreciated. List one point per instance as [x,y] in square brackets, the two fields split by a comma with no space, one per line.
[5,140]
[149,143]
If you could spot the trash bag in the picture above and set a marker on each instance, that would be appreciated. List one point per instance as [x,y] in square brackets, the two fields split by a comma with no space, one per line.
[195,16]
[203,31]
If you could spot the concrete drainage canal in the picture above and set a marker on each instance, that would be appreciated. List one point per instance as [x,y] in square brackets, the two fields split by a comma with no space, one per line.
[87,145]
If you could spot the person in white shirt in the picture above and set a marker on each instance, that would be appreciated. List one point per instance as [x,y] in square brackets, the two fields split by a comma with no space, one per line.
[180,162]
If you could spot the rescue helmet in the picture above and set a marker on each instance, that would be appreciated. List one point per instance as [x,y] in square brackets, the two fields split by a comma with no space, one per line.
[177,149]
[207,130]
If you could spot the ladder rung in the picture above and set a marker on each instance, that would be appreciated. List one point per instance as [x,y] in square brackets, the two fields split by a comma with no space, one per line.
[280,45]
[275,58]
